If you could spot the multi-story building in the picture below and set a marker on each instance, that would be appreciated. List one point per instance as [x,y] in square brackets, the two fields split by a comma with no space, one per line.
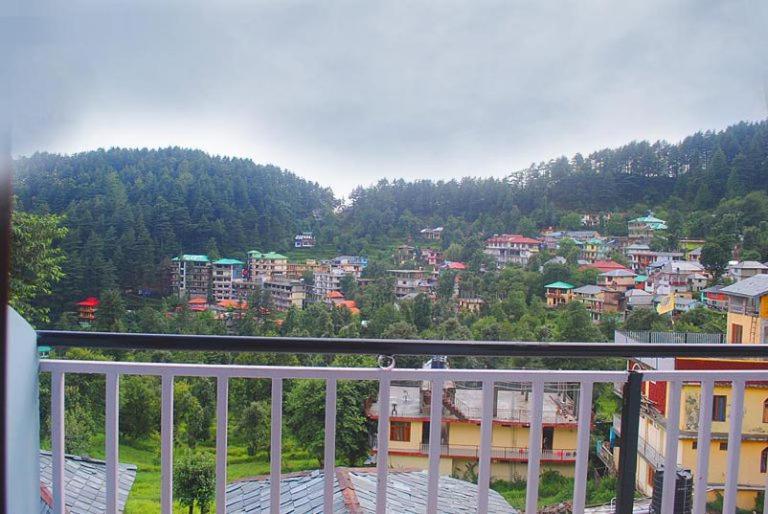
[713,298]
[285,292]
[297,269]
[593,249]
[266,265]
[747,310]
[432,234]
[191,275]
[410,282]
[352,264]
[617,280]
[655,414]
[745,269]
[405,253]
[86,310]
[592,297]
[327,282]
[224,272]
[431,256]
[304,240]
[676,277]
[558,293]
[409,408]
[645,227]
[511,249]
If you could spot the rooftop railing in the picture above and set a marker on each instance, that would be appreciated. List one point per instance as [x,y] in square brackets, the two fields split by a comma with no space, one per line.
[586,381]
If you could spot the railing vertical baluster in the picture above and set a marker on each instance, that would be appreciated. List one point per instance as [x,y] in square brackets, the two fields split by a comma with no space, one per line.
[330,443]
[734,447]
[166,445]
[534,446]
[486,440]
[435,422]
[111,440]
[382,454]
[222,408]
[57,441]
[630,415]
[669,488]
[582,448]
[702,453]
[275,454]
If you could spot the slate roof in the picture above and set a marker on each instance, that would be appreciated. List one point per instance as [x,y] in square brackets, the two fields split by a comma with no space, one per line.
[85,484]
[192,258]
[589,289]
[753,286]
[618,273]
[355,492]
[750,265]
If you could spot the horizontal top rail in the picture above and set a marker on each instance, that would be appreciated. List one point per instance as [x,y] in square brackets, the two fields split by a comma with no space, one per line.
[176,342]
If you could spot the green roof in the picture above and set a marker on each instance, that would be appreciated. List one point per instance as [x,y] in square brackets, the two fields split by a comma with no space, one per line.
[648,219]
[641,278]
[254,253]
[273,255]
[559,285]
[228,262]
[192,258]
[595,241]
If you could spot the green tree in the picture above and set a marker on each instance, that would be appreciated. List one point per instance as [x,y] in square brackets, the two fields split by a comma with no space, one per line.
[422,312]
[714,258]
[139,406]
[194,481]
[111,312]
[36,262]
[253,427]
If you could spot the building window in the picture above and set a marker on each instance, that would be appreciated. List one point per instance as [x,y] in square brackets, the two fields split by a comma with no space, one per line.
[765,411]
[764,460]
[694,445]
[400,431]
[736,333]
[650,476]
[724,447]
[718,408]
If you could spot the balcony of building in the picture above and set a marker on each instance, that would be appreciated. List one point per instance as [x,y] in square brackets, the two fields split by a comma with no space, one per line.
[384,485]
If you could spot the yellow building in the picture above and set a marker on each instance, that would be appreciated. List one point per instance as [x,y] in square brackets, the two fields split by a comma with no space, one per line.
[753,462]
[746,320]
[460,431]
[748,310]
[558,293]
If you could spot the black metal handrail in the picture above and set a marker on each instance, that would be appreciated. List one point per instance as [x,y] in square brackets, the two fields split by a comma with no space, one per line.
[123,341]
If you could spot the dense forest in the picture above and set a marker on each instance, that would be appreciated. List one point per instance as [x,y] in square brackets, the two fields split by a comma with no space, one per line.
[127,210]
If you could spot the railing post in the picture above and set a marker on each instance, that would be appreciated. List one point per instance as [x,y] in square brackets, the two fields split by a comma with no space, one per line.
[630,416]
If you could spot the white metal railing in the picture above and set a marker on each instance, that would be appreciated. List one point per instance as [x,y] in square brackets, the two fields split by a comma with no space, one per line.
[668,456]
[502,452]
[437,377]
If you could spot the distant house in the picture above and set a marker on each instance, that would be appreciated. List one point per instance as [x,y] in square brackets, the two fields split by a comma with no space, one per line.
[432,234]
[603,266]
[713,298]
[191,275]
[411,282]
[644,227]
[454,266]
[638,299]
[473,305]
[558,293]
[431,256]
[224,272]
[354,492]
[617,280]
[593,298]
[748,310]
[86,310]
[511,249]
[304,240]
[593,249]
[404,253]
[285,292]
[745,269]
[267,265]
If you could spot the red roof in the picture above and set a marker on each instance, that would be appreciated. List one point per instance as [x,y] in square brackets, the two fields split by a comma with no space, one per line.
[91,301]
[198,300]
[457,266]
[513,239]
[335,294]
[351,305]
[233,304]
[604,266]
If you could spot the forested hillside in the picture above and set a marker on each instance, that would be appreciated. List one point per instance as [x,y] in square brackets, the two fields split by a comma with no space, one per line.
[693,175]
[126,210]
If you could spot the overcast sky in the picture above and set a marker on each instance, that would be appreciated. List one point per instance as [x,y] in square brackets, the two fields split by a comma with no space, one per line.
[344,93]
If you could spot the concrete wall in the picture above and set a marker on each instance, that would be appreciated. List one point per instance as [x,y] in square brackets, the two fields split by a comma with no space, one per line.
[23,443]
